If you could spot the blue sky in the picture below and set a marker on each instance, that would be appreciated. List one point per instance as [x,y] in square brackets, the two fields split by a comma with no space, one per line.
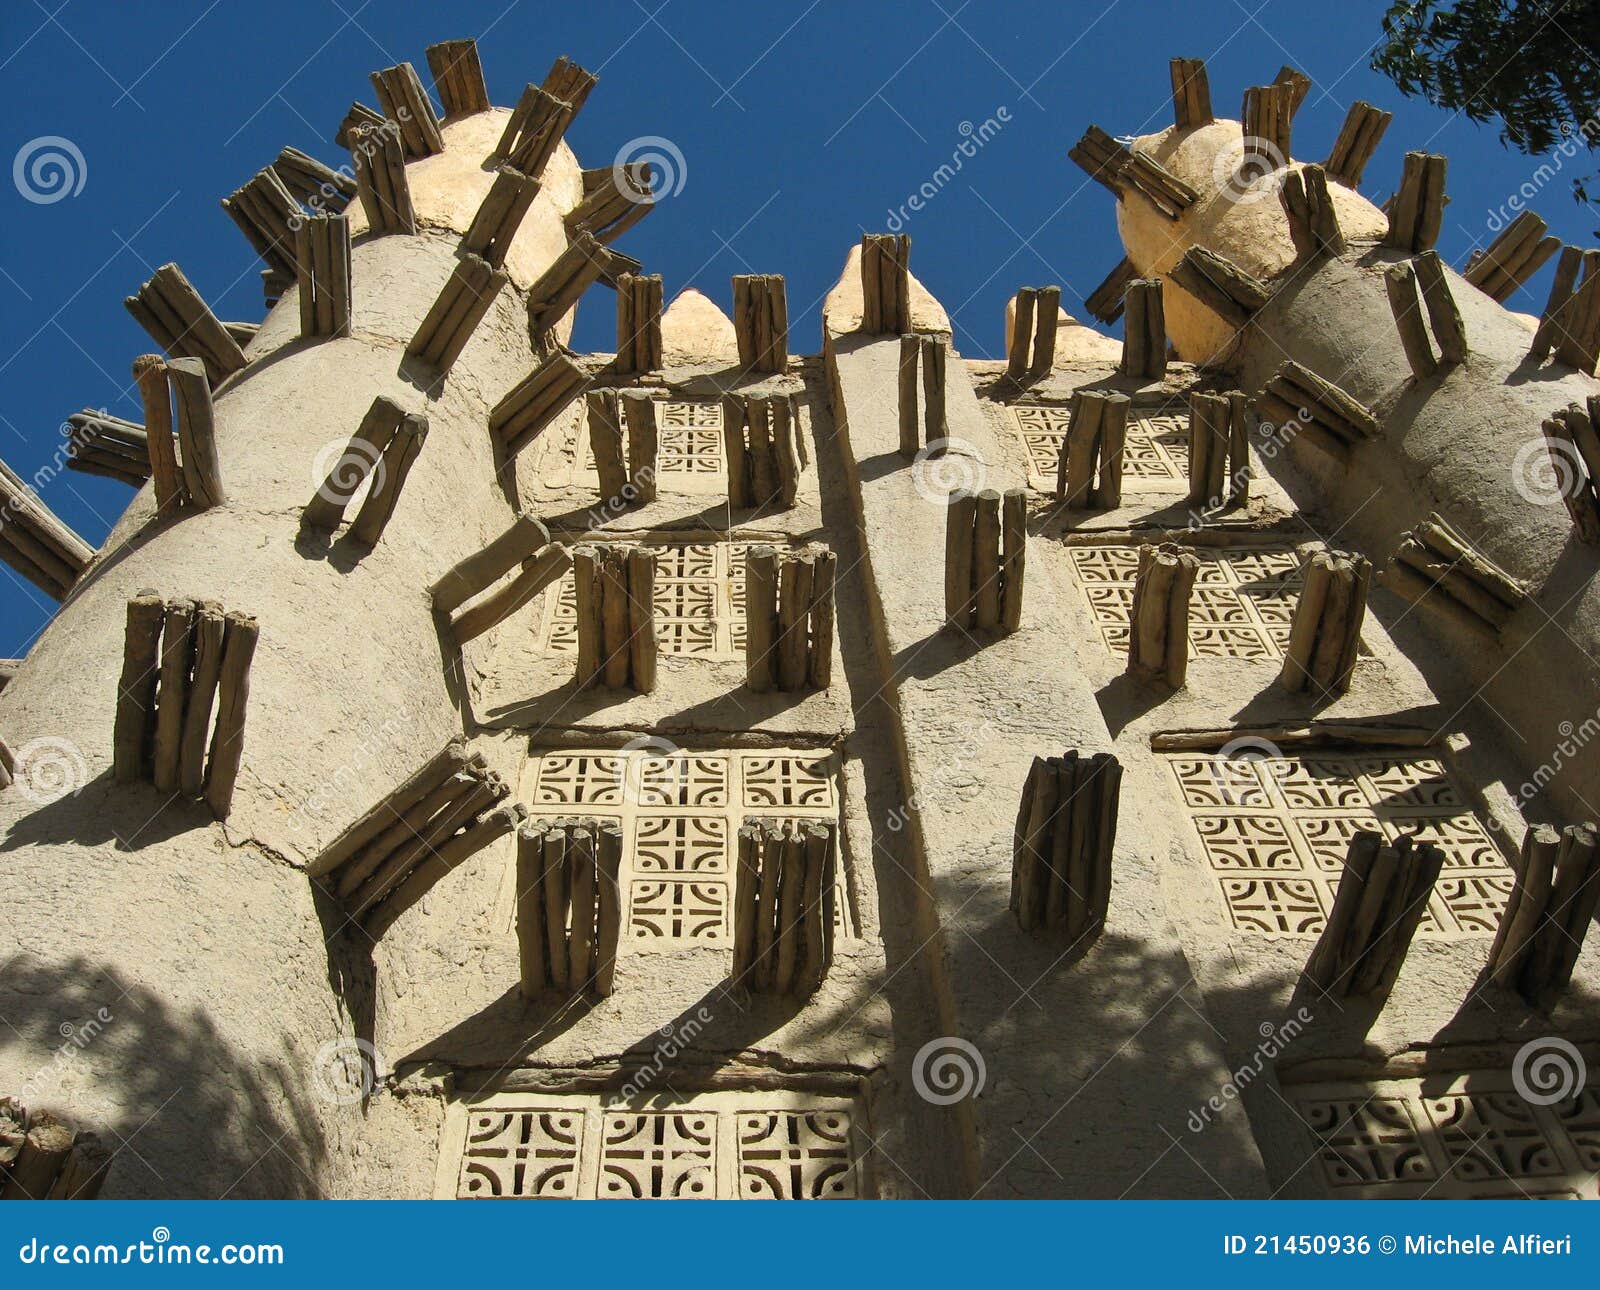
[801,126]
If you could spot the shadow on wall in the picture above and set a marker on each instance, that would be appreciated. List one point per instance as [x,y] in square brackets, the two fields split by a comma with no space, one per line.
[192,1119]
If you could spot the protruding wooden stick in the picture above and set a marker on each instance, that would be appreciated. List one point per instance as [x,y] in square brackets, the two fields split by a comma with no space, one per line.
[1120,169]
[1209,417]
[783,417]
[1220,285]
[960,535]
[1105,301]
[177,658]
[455,315]
[1045,316]
[1575,465]
[378,156]
[616,619]
[171,310]
[35,542]
[1144,331]
[605,442]
[530,405]
[202,693]
[266,212]
[819,666]
[935,410]
[134,736]
[639,411]
[734,416]
[1019,342]
[1299,86]
[389,477]
[458,76]
[794,621]
[1577,328]
[322,256]
[569,82]
[360,117]
[197,434]
[149,372]
[761,617]
[531,942]
[639,299]
[500,215]
[1400,281]
[642,644]
[45,1149]
[1417,211]
[307,180]
[482,569]
[1566,277]
[1191,93]
[109,446]
[1443,314]
[986,561]
[380,817]
[406,103]
[910,428]
[1297,397]
[784,905]
[454,852]
[1358,139]
[1013,556]
[1437,566]
[615,199]
[1158,638]
[761,321]
[1063,843]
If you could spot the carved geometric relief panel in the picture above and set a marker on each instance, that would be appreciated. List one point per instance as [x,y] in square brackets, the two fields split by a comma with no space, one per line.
[1155,452]
[1465,1136]
[774,1145]
[1275,831]
[699,602]
[680,813]
[688,448]
[1242,604]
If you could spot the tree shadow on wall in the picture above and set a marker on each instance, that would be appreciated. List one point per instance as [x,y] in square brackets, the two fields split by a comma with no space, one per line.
[194,1119]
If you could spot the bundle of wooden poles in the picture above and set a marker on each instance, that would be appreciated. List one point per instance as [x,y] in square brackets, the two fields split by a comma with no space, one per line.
[784,895]
[615,585]
[925,354]
[584,262]
[1357,140]
[172,312]
[378,157]
[1382,898]
[1144,330]
[1031,346]
[985,559]
[1313,221]
[1219,449]
[181,660]
[458,77]
[761,321]
[1516,254]
[569,904]
[535,401]
[624,438]
[1570,324]
[765,450]
[1402,282]
[1325,632]
[1547,917]
[527,544]
[1089,463]
[1158,621]
[406,103]
[1416,212]
[185,470]
[1436,566]
[1573,439]
[455,315]
[885,283]
[394,854]
[1299,402]
[34,542]
[42,1158]
[1065,834]
[322,272]
[1220,285]
[615,198]
[788,602]
[1267,117]
[101,444]
[383,448]
[1120,169]
[639,301]
[1105,301]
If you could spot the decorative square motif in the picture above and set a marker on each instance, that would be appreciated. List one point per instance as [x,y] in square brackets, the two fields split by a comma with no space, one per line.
[680,812]
[688,444]
[1460,1136]
[1241,607]
[699,602]
[522,1153]
[1275,831]
[1155,452]
[774,1144]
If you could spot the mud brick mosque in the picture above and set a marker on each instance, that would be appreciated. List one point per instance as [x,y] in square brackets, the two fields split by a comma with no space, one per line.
[752,766]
